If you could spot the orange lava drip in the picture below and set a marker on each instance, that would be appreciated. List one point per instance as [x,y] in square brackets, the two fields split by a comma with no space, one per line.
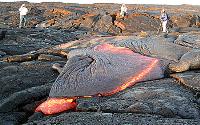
[112,49]
[134,79]
[56,105]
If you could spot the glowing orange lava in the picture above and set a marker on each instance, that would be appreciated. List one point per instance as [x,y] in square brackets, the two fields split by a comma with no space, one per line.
[56,105]
[134,79]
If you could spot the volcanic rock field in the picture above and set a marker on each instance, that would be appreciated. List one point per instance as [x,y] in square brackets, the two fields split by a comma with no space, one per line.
[99,52]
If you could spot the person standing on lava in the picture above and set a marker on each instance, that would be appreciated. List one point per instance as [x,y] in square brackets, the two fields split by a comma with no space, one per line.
[23,11]
[123,11]
[164,19]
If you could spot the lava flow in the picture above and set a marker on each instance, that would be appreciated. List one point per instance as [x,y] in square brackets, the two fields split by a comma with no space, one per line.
[134,79]
[57,105]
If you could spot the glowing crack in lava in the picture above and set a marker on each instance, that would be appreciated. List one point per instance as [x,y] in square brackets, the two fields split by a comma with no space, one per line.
[134,79]
[57,105]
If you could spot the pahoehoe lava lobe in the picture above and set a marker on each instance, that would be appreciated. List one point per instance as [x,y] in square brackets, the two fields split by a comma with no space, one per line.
[103,69]
[153,47]
[190,60]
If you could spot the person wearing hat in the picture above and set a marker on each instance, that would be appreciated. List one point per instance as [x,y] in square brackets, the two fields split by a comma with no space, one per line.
[23,11]
[164,19]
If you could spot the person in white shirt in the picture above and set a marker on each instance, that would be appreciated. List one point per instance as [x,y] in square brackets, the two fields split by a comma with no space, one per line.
[123,10]
[164,19]
[23,11]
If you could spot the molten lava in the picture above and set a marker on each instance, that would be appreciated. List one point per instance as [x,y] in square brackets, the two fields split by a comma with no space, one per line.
[134,79]
[56,105]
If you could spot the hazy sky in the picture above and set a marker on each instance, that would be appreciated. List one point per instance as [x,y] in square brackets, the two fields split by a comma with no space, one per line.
[170,2]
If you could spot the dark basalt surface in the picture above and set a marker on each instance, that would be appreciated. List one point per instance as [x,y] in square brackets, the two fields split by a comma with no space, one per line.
[55,29]
[88,118]
[190,79]
[162,97]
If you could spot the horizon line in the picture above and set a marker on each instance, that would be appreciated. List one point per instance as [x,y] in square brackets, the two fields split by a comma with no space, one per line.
[145,2]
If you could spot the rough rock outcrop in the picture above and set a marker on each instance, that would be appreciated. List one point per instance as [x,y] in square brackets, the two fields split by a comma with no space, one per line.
[16,77]
[190,60]
[191,40]
[189,79]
